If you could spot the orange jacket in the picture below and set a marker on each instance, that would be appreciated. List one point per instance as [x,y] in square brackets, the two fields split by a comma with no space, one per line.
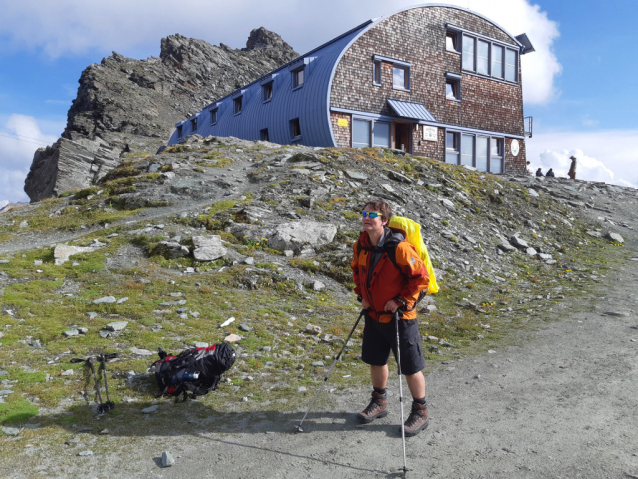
[387,282]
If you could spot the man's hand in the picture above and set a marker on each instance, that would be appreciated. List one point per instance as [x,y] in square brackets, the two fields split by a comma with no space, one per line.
[391,306]
[364,304]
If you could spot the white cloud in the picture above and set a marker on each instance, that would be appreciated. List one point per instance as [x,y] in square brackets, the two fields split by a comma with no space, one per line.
[609,156]
[16,154]
[70,27]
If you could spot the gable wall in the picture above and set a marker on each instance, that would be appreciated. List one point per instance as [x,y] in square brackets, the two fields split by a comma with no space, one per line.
[417,36]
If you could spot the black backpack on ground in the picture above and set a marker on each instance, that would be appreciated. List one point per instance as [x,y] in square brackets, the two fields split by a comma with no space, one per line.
[193,372]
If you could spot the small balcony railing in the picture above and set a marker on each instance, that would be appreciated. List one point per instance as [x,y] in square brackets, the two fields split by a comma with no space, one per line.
[528,121]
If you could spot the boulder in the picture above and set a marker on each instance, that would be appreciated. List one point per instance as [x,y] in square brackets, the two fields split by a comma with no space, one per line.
[615,237]
[293,236]
[62,252]
[208,248]
[172,250]
[519,243]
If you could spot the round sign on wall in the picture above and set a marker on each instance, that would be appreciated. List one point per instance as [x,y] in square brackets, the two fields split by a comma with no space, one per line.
[515,147]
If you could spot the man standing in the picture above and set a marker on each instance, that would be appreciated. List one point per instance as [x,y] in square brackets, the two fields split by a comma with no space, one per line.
[383,286]
[572,169]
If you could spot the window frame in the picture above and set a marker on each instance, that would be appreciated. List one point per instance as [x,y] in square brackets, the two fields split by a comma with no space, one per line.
[406,77]
[396,64]
[454,35]
[296,73]
[238,101]
[267,88]
[376,73]
[372,123]
[214,113]
[455,80]
[500,143]
[180,131]
[295,127]
[193,124]
[373,139]
[491,43]
[352,123]
[456,148]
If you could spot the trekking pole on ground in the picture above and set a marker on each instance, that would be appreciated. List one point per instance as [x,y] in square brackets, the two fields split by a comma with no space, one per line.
[103,358]
[89,361]
[298,426]
[397,318]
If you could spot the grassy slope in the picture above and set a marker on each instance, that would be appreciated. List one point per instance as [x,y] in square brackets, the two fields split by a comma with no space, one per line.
[277,353]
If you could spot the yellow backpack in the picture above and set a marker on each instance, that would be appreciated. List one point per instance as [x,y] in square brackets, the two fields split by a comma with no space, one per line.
[412,232]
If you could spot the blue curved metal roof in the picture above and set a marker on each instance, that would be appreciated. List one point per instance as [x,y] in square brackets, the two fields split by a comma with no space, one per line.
[309,103]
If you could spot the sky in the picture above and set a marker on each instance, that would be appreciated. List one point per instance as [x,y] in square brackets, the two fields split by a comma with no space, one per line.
[571,84]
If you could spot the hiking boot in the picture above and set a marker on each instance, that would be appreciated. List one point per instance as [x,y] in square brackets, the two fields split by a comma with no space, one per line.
[377,408]
[417,420]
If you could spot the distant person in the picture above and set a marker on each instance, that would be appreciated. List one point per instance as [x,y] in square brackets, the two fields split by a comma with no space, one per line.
[529,172]
[539,172]
[572,169]
[550,172]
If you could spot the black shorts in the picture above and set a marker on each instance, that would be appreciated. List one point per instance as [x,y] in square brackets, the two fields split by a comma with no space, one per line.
[381,338]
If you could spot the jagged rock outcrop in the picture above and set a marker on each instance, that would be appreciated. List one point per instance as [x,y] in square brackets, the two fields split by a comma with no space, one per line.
[130,106]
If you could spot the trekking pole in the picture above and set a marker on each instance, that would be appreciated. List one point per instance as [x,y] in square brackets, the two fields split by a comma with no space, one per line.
[298,426]
[397,316]
[89,361]
[103,358]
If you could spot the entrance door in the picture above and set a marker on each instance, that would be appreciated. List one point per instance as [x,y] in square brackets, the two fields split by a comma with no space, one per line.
[402,136]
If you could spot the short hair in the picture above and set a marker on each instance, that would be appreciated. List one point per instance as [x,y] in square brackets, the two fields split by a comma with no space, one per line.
[380,206]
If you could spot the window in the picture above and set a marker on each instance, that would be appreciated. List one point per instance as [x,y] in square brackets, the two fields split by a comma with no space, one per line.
[453,89]
[496,155]
[452,148]
[400,78]
[468,53]
[295,129]
[483,152]
[213,116]
[298,78]
[497,61]
[267,92]
[238,104]
[194,125]
[467,150]
[381,134]
[180,130]
[400,72]
[263,135]
[376,72]
[367,132]
[452,41]
[510,65]
[360,133]
[486,57]
[482,143]
[483,58]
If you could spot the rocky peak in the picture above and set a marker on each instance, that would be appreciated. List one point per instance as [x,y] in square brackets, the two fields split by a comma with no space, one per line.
[262,38]
[129,106]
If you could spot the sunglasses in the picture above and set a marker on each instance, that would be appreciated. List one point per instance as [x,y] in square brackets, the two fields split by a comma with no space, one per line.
[371,215]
